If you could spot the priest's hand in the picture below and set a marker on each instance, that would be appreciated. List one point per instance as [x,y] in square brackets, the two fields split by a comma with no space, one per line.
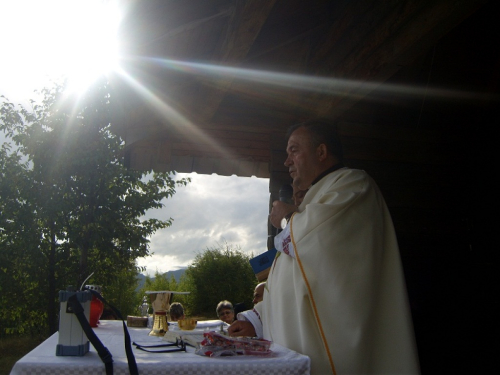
[279,211]
[241,328]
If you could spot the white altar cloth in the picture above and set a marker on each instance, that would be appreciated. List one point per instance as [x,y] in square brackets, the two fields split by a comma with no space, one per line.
[43,360]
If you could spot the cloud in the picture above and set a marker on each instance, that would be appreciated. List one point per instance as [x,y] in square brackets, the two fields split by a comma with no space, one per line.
[210,210]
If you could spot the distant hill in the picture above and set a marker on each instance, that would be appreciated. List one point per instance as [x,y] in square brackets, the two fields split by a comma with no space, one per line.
[177,275]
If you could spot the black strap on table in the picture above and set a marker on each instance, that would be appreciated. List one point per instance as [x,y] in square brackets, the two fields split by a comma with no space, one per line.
[177,346]
[103,352]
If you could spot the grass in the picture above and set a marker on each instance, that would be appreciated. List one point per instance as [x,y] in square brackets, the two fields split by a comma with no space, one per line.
[13,348]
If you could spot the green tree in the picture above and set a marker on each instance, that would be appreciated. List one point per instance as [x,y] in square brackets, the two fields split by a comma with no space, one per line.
[159,282]
[219,273]
[20,255]
[86,208]
[122,291]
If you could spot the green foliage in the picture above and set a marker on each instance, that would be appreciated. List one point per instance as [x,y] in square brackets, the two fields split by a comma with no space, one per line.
[218,274]
[160,282]
[120,291]
[69,207]
[21,260]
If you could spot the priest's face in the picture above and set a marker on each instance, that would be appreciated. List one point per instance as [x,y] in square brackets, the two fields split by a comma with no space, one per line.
[302,161]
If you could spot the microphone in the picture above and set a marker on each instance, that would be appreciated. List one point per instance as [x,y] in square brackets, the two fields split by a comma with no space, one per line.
[286,194]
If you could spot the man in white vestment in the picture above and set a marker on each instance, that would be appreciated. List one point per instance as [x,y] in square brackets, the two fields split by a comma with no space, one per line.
[336,289]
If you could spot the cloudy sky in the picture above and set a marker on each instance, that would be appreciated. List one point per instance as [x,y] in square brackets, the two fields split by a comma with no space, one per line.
[42,40]
[211,210]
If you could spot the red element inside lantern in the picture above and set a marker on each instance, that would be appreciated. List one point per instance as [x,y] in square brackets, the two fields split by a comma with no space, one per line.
[96,309]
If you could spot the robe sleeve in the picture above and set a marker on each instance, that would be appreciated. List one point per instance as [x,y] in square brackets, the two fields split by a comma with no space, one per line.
[253,316]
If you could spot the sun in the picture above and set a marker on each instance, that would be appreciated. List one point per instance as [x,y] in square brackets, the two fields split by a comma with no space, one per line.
[53,39]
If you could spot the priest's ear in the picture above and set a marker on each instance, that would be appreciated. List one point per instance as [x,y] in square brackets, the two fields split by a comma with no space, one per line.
[322,152]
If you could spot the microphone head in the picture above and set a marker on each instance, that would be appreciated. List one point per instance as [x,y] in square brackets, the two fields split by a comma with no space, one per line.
[286,194]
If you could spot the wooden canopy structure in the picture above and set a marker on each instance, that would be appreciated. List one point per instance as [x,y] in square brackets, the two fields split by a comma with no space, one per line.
[411,85]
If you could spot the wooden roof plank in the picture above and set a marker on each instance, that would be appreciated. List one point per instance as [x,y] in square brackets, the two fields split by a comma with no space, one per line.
[244,27]
[387,50]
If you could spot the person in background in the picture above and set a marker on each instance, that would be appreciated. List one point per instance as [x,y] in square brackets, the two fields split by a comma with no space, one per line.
[225,311]
[336,290]
[258,294]
[176,312]
[239,307]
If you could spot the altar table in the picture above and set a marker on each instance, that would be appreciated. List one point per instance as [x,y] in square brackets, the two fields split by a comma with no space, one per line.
[43,360]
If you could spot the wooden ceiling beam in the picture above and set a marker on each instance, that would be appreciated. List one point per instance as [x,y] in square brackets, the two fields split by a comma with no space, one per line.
[244,26]
[195,24]
[400,37]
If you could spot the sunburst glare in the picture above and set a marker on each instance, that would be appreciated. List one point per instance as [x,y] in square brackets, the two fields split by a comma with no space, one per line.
[319,84]
[55,39]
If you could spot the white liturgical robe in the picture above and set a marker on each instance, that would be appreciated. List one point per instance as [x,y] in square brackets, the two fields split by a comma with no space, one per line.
[342,299]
